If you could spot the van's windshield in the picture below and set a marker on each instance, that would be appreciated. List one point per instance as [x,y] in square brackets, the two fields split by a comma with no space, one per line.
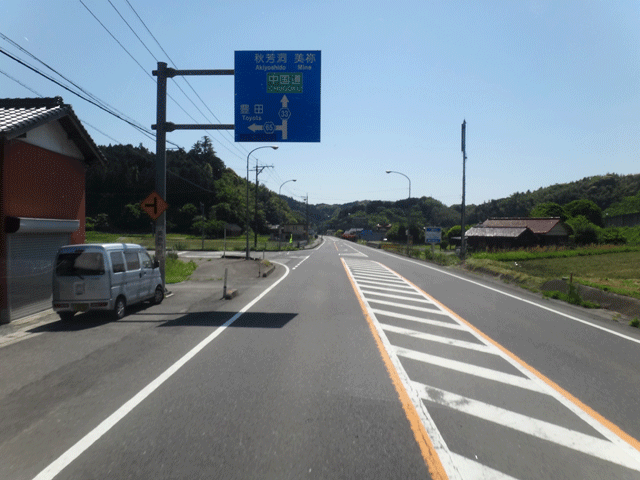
[80,263]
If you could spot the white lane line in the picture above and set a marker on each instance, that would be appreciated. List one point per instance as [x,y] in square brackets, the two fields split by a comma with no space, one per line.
[374,285]
[94,435]
[397,297]
[373,271]
[477,371]
[301,262]
[510,295]
[427,321]
[471,469]
[439,339]
[379,279]
[402,305]
[565,437]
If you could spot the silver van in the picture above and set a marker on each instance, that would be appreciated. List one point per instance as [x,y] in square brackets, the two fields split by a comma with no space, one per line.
[105,276]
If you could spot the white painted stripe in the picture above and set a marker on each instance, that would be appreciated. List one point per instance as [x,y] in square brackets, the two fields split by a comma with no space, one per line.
[565,437]
[439,339]
[94,435]
[397,297]
[437,323]
[475,470]
[622,445]
[408,290]
[510,295]
[439,445]
[377,279]
[469,369]
[300,262]
[401,286]
[401,305]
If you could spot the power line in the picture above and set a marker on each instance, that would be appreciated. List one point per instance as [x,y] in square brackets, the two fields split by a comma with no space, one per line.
[241,149]
[69,90]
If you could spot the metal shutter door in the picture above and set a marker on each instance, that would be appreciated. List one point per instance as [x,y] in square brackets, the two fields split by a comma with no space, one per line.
[30,271]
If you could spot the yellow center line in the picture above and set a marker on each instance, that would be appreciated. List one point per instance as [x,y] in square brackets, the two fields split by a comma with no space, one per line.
[428,451]
[585,408]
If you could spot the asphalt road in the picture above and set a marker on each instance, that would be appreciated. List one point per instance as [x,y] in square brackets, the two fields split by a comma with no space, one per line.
[346,362]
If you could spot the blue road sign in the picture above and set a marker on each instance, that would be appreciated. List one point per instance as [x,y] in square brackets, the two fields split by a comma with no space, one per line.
[432,234]
[277,96]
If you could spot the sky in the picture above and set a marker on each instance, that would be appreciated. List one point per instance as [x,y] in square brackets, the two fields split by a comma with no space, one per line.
[549,90]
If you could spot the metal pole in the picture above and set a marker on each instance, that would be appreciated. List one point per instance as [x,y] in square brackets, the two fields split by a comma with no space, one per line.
[161,165]
[246,222]
[202,206]
[463,246]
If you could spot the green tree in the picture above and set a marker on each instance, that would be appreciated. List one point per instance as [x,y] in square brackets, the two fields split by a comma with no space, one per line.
[584,232]
[549,209]
[586,208]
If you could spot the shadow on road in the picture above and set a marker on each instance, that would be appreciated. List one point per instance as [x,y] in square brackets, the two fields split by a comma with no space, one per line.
[195,319]
[247,320]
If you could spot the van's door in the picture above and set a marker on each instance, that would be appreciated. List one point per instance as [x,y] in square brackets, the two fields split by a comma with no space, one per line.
[146,284]
[80,275]
[133,276]
[118,274]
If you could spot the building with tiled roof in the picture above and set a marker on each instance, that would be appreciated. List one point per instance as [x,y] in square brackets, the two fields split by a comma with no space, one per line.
[517,232]
[44,152]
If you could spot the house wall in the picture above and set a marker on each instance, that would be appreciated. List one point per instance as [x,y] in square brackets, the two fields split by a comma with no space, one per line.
[38,183]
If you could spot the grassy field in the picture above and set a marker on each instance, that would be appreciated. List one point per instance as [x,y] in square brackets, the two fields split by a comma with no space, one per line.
[615,270]
[188,242]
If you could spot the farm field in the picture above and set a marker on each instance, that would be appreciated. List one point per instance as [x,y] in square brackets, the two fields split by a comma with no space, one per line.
[617,272]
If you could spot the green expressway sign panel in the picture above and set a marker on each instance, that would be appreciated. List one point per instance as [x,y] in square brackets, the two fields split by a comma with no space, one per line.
[277,96]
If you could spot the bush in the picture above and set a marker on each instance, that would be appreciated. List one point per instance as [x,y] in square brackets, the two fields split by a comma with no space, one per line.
[635,323]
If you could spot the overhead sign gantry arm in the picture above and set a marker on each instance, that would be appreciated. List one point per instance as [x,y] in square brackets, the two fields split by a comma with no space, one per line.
[162,127]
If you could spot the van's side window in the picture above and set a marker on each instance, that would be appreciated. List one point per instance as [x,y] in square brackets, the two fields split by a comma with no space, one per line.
[117,260]
[146,260]
[133,262]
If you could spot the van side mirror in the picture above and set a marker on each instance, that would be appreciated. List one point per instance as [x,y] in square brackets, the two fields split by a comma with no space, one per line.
[156,263]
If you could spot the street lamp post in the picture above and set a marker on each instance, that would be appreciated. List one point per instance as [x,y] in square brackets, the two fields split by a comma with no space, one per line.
[280,189]
[391,171]
[280,232]
[408,211]
[246,224]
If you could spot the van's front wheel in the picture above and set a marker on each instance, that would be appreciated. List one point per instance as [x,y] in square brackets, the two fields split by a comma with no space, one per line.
[158,296]
[119,308]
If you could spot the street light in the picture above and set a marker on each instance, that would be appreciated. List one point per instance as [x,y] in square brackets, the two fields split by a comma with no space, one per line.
[283,184]
[246,223]
[408,211]
[280,228]
[391,171]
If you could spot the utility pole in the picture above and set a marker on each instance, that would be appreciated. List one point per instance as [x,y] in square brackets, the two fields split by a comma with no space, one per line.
[255,214]
[307,199]
[463,242]
[203,219]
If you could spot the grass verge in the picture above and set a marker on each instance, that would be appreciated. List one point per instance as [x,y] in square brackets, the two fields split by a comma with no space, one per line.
[177,271]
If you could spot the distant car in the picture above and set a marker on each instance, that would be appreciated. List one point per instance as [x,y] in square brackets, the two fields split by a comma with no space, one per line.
[108,276]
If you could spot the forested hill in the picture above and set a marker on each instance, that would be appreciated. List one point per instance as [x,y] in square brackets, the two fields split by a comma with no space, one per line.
[198,177]
[195,179]
[614,194]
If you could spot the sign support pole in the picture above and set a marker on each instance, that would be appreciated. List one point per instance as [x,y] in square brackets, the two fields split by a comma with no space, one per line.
[161,165]
[463,241]
[162,127]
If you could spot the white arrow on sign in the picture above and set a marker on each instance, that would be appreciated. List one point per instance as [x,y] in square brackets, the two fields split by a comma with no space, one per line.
[283,127]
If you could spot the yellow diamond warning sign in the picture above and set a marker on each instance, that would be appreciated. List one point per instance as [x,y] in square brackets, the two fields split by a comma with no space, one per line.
[154,205]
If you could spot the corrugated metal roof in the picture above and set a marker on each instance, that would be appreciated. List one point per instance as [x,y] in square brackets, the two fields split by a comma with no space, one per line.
[536,225]
[504,232]
[19,115]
